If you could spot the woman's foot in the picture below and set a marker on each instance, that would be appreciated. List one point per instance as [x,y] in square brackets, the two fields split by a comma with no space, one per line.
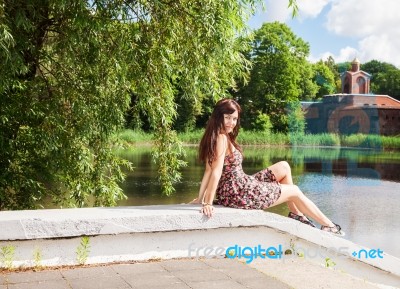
[302,219]
[335,229]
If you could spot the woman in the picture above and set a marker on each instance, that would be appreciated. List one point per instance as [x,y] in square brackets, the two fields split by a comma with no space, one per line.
[225,177]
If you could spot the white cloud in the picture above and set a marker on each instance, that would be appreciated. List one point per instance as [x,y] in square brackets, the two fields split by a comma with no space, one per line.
[371,25]
[274,10]
[346,54]
[311,8]
[277,10]
[375,25]
[383,47]
[362,18]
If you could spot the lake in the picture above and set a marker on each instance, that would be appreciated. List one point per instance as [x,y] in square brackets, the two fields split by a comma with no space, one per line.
[356,188]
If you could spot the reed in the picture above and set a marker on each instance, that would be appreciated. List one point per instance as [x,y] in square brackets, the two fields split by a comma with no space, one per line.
[134,137]
[130,136]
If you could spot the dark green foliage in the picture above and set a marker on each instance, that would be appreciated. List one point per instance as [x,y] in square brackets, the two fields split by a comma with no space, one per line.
[334,68]
[68,71]
[60,104]
[280,74]
[385,78]
[296,119]
[324,78]
[343,67]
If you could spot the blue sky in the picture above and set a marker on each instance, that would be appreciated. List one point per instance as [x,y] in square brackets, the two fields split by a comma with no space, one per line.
[344,29]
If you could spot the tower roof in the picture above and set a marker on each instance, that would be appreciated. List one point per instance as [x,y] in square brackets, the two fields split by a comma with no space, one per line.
[355,60]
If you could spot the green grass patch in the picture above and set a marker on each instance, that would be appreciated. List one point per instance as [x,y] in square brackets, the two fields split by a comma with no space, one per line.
[191,137]
[129,136]
[134,137]
[314,139]
[391,142]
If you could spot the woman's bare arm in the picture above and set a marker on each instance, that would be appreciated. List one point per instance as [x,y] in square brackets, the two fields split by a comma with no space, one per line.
[212,175]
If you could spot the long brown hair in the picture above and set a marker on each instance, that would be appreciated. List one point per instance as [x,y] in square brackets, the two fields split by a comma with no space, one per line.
[215,126]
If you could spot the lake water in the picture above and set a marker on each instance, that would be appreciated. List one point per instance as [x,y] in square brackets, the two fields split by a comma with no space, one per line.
[358,189]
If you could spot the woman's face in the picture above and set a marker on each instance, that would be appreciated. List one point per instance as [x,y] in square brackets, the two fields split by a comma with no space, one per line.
[230,121]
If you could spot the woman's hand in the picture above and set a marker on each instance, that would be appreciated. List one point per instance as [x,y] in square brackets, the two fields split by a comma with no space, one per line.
[207,210]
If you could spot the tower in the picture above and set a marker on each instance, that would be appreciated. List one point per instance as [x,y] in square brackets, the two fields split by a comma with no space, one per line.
[355,81]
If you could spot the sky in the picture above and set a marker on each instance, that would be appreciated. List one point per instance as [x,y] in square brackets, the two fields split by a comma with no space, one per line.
[344,29]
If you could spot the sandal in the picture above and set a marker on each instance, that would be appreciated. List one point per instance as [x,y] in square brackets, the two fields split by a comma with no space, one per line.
[336,230]
[302,219]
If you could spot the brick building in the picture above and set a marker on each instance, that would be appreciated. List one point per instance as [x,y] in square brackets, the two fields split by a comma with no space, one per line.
[354,110]
[355,81]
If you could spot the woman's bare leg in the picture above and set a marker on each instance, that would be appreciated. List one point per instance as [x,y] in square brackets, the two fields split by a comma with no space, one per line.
[283,174]
[292,193]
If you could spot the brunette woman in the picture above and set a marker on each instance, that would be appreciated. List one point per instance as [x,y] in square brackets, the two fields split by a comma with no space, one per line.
[224,176]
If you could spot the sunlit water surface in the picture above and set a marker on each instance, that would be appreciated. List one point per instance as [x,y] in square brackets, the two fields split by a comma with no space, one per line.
[358,189]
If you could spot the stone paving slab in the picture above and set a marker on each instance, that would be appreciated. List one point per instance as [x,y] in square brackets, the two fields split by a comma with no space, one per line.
[166,274]
[244,274]
[162,279]
[184,265]
[216,284]
[53,284]
[210,274]
[99,282]
[138,269]
[223,263]
[299,273]
[86,272]
[261,283]
[31,276]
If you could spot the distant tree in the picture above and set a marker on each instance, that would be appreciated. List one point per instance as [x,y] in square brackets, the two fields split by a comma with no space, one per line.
[374,67]
[385,78]
[187,111]
[343,67]
[387,83]
[334,68]
[307,82]
[280,74]
[296,119]
[324,78]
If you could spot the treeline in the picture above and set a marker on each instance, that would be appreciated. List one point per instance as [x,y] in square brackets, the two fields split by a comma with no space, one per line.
[279,75]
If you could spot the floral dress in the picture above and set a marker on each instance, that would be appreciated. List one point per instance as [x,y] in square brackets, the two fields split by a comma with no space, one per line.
[238,190]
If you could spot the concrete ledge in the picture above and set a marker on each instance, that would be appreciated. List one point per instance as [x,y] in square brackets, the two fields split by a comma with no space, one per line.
[44,224]
[175,231]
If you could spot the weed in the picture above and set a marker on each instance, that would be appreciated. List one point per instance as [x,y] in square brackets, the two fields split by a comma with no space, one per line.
[7,254]
[37,258]
[329,263]
[82,251]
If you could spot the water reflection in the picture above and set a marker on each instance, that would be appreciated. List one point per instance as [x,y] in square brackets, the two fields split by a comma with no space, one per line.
[359,189]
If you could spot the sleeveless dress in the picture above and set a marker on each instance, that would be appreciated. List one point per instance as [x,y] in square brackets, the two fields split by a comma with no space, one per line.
[239,190]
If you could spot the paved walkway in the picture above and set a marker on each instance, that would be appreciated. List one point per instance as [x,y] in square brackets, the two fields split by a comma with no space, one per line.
[177,274]
[189,273]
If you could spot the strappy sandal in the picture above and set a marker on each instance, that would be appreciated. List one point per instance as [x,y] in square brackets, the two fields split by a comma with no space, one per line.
[302,219]
[336,230]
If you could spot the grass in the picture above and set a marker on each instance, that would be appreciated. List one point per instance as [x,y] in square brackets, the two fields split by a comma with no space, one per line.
[324,139]
[371,141]
[132,137]
[129,136]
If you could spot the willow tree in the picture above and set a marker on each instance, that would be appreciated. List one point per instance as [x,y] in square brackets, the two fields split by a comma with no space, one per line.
[68,69]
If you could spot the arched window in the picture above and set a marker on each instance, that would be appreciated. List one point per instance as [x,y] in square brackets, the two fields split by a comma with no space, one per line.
[361,84]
